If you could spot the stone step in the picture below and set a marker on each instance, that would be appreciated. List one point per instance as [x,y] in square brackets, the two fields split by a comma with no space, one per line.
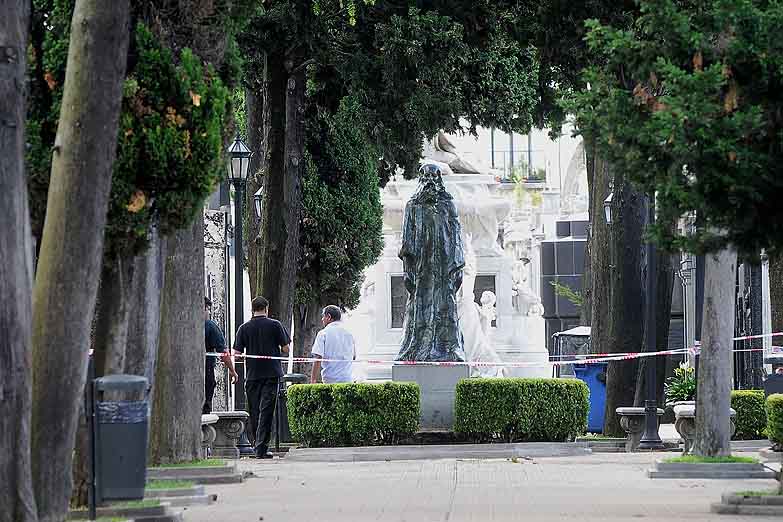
[172,516]
[233,478]
[742,509]
[179,473]
[695,467]
[131,513]
[705,470]
[194,500]
[177,492]
[762,500]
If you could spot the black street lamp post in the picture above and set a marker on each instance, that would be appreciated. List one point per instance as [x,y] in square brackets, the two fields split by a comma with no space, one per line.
[650,439]
[237,172]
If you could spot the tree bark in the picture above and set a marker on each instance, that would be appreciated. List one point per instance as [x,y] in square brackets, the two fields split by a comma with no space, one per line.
[254,109]
[16,276]
[713,395]
[308,321]
[110,336]
[145,304]
[179,377]
[72,244]
[585,311]
[776,293]
[663,313]
[280,221]
[600,270]
[626,310]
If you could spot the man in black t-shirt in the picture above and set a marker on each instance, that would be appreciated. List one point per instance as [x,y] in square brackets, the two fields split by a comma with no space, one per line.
[215,342]
[262,336]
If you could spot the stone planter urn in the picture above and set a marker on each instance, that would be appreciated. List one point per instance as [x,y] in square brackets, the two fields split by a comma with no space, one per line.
[229,428]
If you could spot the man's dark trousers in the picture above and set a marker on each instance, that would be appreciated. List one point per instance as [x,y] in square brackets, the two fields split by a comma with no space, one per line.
[209,388]
[262,398]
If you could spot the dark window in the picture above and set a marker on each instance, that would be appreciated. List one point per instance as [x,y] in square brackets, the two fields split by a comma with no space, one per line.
[399,298]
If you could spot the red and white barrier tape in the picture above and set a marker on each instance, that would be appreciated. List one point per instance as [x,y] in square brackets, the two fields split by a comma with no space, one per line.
[578,359]
[590,360]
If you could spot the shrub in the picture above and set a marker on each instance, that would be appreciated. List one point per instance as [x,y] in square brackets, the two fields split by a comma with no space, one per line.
[521,409]
[681,386]
[774,408]
[751,418]
[323,415]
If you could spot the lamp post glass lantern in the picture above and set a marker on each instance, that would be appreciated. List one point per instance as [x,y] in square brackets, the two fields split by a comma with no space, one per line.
[257,200]
[239,161]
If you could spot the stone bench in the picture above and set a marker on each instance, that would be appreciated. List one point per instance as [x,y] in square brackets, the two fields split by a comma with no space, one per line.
[208,433]
[685,424]
[632,422]
[229,428]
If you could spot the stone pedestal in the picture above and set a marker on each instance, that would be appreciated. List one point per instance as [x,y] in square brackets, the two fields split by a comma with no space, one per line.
[229,428]
[437,385]
[632,421]
[685,424]
[208,434]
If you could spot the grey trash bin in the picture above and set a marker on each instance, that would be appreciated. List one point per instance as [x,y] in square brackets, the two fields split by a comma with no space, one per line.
[282,432]
[120,437]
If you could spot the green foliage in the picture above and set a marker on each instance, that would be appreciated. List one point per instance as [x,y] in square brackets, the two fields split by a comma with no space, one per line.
[565,291]
[681,386]
[698,459]
[774,407]
[450,66]
[170,144]
[323,415]
[175,111]
[153,485]
[687,102]
[514,410]
[751,419]
[198,463]
[342,217]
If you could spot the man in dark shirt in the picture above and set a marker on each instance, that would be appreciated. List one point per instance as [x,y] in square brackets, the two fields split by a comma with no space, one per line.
[215,342]
[262,336]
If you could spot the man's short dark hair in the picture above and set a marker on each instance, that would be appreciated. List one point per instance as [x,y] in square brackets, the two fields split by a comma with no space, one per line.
[260,304]
[333,312]
[207,302]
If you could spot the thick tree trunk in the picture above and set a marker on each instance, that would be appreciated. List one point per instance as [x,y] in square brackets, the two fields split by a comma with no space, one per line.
[280,221]
[714,385]
[600,260]
[776,294]
[626,310]
[179,381]
[109,340]
[112,312]
[663,313]
[72,245]
[308,322]
[254,108]
[16,276]
[585,311]
[144,319]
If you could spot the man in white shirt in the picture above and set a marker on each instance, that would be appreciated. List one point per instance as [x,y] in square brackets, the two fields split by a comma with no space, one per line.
[333,342]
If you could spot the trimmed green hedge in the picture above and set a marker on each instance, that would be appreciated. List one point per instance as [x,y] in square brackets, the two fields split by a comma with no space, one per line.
[324,415]
[516,410]
[751,419]
[774,408]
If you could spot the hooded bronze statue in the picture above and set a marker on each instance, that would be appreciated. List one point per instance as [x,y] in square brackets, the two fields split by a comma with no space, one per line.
[433,259]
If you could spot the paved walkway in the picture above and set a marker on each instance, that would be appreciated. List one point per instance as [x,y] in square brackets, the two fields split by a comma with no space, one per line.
[596,487]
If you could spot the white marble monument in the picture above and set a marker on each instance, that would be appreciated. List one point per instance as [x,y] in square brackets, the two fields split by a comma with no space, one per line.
[510,312]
